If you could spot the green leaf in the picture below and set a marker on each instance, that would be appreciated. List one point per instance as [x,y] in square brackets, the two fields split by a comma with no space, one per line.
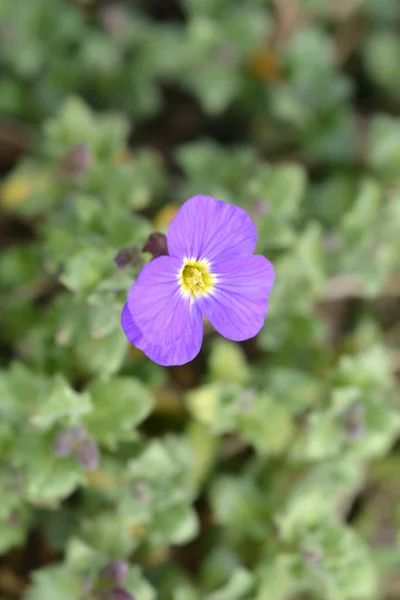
[205,445]
[13,534]
[112,537]
[239,585]
[20,389]
[297,389]
[322,494]
[137,585]
[218,565]
[345,569]
[381,54]
[15,515]
[365,210]
[79,555]
[384,146]
[166,515]
[227,362]
[60,403]
[266,424]
[48,479]
[283,189]
[104,315]
[215,87]
[323,436]
[215,404]
[119,405]
[75,124]
[87,267]
[185,591]
[102,356]
[54,582]
[239,504]
[216,170]
[331,199]
[203,402]
[275,577]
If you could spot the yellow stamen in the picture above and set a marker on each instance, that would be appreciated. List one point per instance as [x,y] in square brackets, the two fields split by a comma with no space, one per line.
[195,277]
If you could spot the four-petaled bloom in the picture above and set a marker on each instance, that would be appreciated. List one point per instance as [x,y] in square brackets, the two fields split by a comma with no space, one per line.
[210,270]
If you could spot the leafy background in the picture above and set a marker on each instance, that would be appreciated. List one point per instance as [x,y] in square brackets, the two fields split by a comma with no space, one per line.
[267,470]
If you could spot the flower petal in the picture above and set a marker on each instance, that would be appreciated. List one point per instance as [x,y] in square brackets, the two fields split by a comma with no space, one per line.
[156,303]
[238,304]
[205,228]
[176,353]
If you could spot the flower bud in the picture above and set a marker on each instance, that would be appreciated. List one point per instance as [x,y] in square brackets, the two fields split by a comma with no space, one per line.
[127,256]
[87,454]
[67,439]
[156,245]
[77,161]
[311,557]
[355,421]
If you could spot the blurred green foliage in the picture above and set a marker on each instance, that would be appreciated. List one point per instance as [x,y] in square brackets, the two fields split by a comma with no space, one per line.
[261,471]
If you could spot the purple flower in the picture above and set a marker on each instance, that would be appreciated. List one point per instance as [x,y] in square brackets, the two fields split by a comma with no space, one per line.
[210,271]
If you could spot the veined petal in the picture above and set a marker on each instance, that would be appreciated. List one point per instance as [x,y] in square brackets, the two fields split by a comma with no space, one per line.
[238,304]
[205,228]
[158,307]
[176,353]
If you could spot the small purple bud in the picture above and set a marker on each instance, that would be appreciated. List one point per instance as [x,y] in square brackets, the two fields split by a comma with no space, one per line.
[311,557]
[355,421]
[356,432]
[127,256]
[87,454]
[66,440]
[77,161]
[156,245]
[122,258]
[115,572]
[259,207]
